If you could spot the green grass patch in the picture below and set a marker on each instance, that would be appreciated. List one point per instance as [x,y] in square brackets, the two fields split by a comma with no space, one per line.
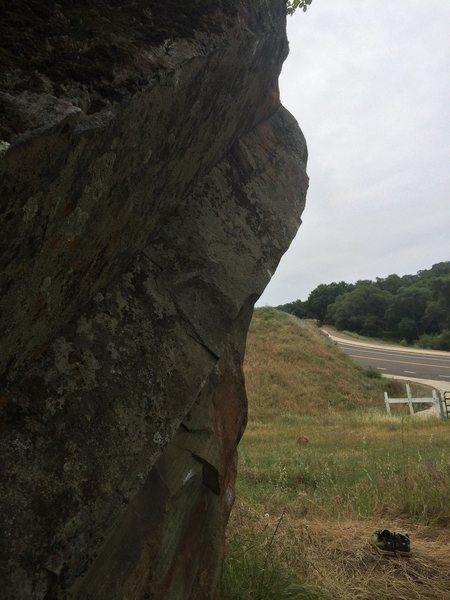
[348,466]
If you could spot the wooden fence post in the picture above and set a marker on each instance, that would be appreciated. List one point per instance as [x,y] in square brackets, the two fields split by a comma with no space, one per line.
[410,404]
[386,401]
[439,404]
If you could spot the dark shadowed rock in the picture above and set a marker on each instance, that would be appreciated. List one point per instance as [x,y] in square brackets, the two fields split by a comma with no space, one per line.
[148,190]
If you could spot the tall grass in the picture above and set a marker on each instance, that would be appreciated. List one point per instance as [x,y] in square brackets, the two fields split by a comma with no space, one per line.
[255,569]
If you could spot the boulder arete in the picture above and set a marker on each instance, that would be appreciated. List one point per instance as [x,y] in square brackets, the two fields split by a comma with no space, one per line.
[150,182]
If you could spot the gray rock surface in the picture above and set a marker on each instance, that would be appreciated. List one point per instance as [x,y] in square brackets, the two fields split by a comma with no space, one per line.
[136,239]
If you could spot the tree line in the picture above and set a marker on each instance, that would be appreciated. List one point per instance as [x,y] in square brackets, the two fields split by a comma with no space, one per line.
[408,309]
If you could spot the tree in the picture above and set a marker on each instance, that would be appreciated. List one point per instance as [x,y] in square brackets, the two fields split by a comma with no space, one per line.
[442,268]
[410,303]
[391,283]
[297,308]
[292,5]
[411,307]
[437,313]
[407,329]
[322,296]
[361,310]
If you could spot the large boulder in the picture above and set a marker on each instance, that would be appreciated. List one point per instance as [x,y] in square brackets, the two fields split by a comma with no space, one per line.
[150,182]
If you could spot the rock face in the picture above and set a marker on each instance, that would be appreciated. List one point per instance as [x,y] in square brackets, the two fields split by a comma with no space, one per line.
[150,181]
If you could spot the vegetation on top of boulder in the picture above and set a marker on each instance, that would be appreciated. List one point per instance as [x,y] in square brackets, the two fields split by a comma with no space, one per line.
[292,5]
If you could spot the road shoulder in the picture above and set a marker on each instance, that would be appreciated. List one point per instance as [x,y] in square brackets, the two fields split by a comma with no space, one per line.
[397,348]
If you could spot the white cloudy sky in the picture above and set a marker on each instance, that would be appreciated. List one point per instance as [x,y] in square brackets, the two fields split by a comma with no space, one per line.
[369,84]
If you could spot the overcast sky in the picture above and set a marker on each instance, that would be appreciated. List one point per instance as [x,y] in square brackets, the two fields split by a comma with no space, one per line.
[369,84]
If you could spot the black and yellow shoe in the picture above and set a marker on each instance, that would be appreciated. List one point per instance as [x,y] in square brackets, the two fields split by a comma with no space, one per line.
[383,542]
[402,544]
[387,543]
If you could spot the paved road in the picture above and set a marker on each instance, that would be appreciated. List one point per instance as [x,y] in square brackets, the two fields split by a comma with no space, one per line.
[416,365]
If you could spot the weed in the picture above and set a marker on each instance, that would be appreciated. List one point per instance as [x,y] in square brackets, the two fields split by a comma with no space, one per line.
[372,373]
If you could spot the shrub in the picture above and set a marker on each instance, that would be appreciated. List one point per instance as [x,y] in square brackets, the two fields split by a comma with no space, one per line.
[372,373]
[439,341]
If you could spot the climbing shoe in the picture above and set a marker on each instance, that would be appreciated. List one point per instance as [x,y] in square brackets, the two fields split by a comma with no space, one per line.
[402,544]
[383,542]
[387,543]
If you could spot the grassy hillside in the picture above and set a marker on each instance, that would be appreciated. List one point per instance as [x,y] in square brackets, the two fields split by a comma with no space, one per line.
[292,367]
[322,466]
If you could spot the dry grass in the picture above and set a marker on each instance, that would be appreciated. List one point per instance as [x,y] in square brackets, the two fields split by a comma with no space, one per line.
[342,561]
[320,451]
[292,367]
[336,557]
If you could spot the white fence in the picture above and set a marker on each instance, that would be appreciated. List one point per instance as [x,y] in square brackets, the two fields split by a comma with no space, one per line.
[434,400]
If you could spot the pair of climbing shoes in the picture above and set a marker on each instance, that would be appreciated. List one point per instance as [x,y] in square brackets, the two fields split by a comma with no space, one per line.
[389,543]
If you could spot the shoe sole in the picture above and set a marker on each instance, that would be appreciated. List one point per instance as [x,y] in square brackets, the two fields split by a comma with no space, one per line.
[388,552]
[380,550]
